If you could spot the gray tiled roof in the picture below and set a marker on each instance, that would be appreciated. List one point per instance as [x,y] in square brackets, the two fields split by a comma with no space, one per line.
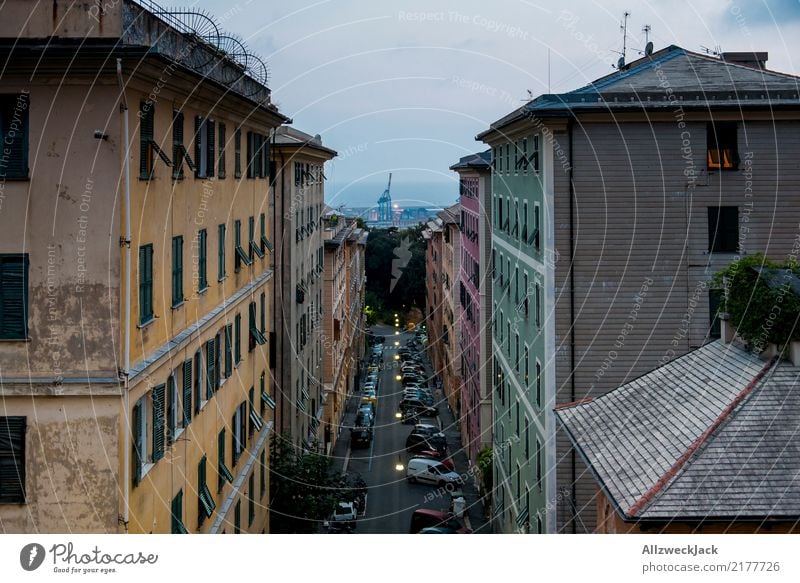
[696,81]
[478,160]
[748,466]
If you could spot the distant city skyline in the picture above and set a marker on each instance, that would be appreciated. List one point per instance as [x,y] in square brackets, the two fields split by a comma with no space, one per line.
[404,193]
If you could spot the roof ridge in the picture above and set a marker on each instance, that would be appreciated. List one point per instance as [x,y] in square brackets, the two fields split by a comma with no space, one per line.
[676,467]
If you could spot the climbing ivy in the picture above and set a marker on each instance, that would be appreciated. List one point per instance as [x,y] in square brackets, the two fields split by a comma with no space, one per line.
[759,314]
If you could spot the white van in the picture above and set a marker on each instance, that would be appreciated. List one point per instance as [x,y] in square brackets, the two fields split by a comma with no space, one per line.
[428,470]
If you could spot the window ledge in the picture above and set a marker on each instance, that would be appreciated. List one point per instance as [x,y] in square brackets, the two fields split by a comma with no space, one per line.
[146,469]
[221,279]
[202,291]
[179,304]
[15,339]
[178,432]
[143,325]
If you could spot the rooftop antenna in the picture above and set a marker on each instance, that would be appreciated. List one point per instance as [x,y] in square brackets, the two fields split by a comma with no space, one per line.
[624,28]
[648,44]
[716,51]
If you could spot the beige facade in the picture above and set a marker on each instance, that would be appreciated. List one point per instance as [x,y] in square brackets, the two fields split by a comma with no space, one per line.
[343,317]
[451,308]
[131,316]
[299,161]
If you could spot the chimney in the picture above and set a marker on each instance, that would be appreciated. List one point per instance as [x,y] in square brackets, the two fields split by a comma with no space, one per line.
[794,352]
[747,59]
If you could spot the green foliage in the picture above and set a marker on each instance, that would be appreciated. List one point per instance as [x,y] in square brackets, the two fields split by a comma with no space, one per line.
[759,314]
[485,457]
[304,488]
[409,291]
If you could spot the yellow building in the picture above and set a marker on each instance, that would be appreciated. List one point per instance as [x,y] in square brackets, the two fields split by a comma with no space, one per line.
[134,363]
[299,161]
[343,320]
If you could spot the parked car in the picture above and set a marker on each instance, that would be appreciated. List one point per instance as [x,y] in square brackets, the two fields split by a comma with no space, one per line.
[426,518]
[360,436]
[426,400]
[364,419]
[426,429]
[437,530]
[417,404]
[369,396]
[417,442]
[432,471]
[344,514]
[435,455]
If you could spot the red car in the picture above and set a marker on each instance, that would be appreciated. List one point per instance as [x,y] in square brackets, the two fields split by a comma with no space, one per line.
[435,455]
[425,518]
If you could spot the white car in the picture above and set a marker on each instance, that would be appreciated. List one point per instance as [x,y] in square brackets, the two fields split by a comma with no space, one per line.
[345,515]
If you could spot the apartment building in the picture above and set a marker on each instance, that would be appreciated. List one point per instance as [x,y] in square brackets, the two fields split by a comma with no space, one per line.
[343,341]
[615,204]
[299,162]
[474,292]
[136,282]
[450,371]
[432,234]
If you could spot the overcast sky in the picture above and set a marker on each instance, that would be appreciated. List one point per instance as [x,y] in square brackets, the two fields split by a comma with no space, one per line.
[405,86]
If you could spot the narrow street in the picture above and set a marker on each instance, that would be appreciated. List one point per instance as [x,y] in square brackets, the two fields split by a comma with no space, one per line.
[391,500]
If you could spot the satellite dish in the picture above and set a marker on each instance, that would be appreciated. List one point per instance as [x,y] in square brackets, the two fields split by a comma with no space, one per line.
[621,63]
[648,49]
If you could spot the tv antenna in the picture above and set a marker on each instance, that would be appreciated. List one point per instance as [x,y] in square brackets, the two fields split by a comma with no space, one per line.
[624,28]
[648,44]
[716,51]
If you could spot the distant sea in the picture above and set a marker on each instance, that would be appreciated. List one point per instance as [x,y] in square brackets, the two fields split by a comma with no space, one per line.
[408,194]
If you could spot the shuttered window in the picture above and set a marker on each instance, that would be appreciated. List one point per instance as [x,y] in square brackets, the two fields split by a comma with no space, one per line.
[255,336]
[202,259]
[158,422]
[237,518]
[220,252]
[254,248]
[237,338]
[206,504]
[237,426]
[14,135]
[240,256]
[223,472]
[237,153]
[139,426]
[177,514]
[14,296]
[148,148]
[263,322]
[145,283]
[177,270]
[265,243]
[204,148]
[251,498]
[263,480]
[198,381]
[172,409]
[211,368]
[179,153]
[251,147]
[228,350]
[187,392]
[221,152]
[12,460]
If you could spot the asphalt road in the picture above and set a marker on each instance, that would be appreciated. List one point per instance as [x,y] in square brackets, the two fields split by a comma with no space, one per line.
[391,500]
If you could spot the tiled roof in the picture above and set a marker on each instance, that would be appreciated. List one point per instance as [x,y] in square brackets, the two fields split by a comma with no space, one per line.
[712,435]
[290,136]
[451,215]
[668,79]
[478,160]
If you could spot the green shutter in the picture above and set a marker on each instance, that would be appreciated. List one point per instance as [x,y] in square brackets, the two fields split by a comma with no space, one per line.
[158,422]
[177,270]
[250,155]
[228,350]
[177,514]
[172,413]
[251,502]
[211,366]
[177,145]
[146,162]
[211,148]
[138,454]
[198,380]
[145,283]
[14,112]
[237,517]
[237,153]
[221,169]
[224,472]
[220,252]
[237,338]
[198,128]
[187,392]
[263,313]
[14,297]
[202,262]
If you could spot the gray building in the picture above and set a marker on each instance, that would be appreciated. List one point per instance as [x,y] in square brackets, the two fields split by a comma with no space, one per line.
[650,180]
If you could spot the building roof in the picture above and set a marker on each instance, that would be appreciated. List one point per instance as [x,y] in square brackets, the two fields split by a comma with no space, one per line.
[291,136]
[713,435]
[669,79]
[451,215]
[477,161]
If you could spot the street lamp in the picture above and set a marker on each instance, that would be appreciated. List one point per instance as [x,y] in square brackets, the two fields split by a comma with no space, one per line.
[398,378]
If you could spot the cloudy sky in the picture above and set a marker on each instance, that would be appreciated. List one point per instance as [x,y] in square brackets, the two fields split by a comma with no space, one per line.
[405,86]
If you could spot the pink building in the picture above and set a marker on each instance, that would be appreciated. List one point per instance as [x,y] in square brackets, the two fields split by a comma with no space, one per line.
[474,293]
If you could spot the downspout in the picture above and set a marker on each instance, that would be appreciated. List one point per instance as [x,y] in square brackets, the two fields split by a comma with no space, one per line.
[573,492]
[284,389]
[126,243]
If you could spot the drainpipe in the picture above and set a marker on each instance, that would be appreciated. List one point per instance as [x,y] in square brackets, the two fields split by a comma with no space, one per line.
[126,243]
[573,492]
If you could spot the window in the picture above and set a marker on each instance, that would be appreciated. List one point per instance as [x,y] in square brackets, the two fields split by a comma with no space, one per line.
[237,338]
[538,384]
[14,135]
[158,402]
[714,303]
[221,152]
[187,392]
[173,410]
[12,460]
[202,260]
[723,151]
[239,428]
[177,514]
[228,350]
[527,438]
[723,229]
[14,296]
[251,499]
[220,252]
[263,300]
[538,465]
[145,283]
[204,148]
[538,305]
[139,425]
[206,504]
[525,220]
[535,235]
[212,372]
[263,479]
[255,336]
[237,153]
[237,518]
[241,256]
[253,247]
[525,160]
[222,470]
[198,381]
[534,159]
[265,243]
[177,271]
[148,148]
[179,153]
